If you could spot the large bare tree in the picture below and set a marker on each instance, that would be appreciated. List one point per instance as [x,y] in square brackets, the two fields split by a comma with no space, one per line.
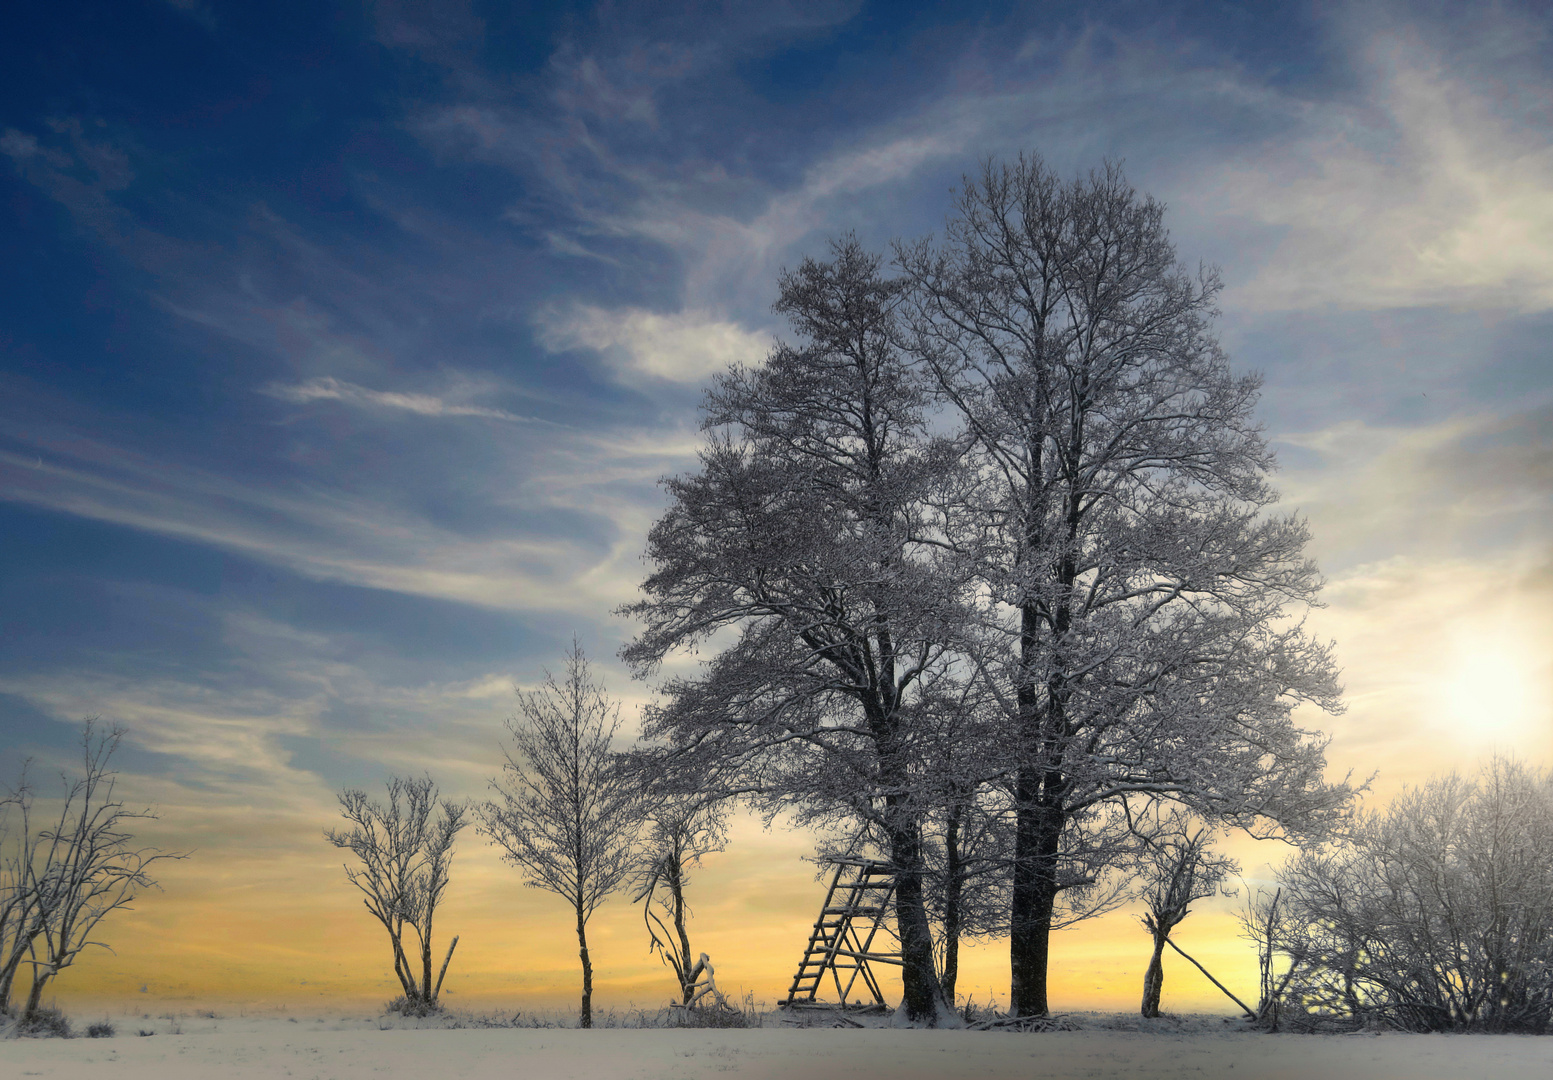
[802,534]
[59,883]
[1135,591]
[566,814]
[406,851]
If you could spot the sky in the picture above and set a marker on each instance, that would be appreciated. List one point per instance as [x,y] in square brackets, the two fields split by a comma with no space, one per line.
[343,346]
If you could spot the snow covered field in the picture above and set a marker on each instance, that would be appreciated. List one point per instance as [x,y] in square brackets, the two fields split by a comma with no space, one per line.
[195,1048]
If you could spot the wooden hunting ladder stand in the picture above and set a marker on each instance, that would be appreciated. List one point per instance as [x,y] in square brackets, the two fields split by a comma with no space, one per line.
[843,936]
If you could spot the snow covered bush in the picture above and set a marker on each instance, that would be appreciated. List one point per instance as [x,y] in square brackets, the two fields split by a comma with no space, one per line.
[1435,915]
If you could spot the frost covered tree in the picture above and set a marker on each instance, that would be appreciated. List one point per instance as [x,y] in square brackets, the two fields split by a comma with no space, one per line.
[1134,622]
[679,830]
[566,814]
[58,883]
[1435,914]
[801,538]
[1177,869]
[405,851]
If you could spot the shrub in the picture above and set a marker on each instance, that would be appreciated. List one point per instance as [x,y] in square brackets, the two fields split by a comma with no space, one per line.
[45,1024]
[103,1029]
[1436,915]
[418,1007]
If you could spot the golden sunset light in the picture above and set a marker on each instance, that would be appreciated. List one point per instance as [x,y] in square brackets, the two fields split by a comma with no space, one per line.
[580,479]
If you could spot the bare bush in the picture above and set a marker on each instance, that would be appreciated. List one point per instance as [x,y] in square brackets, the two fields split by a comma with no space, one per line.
[1437,914]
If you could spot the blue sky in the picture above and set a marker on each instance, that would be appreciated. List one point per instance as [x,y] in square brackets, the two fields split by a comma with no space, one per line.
[342,345]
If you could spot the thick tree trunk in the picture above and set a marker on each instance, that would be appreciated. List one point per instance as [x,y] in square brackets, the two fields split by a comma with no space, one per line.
[1040,794]
[1154,977]
[922,994]
[1037,836]
[585,1015]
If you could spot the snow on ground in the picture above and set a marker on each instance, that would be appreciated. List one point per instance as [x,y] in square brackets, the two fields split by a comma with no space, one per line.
[197,1047]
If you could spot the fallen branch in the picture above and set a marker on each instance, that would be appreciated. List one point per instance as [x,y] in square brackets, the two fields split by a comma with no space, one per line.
[1026,1024]
[1251,1014]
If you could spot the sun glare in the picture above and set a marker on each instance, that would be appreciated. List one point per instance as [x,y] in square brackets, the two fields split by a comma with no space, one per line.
[1493,689]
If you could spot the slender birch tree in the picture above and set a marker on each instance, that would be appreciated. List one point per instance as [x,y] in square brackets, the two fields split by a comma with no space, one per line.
[566,814]
[802,533]
[1135,591]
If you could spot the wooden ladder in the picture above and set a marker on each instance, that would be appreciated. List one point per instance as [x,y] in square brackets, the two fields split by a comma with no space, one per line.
[843,935]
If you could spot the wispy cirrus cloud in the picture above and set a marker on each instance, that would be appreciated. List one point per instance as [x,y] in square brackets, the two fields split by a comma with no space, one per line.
[329,388]
[572,519]
[1431,189]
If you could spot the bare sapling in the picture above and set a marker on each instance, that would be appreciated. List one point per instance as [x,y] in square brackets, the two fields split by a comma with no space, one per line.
[679,832]
[405,850]
[1178,870]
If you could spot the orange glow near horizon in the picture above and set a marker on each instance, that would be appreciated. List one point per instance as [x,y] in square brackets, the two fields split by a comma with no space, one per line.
[261,916]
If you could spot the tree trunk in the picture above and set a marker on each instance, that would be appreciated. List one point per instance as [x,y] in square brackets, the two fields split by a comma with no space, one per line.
[40,979]
[953,871]
[7,980]
[446,960]
[677,888]
[1154,977]
[1037,836]
[585,1016]
[426,994]
[402,968]
[922,994]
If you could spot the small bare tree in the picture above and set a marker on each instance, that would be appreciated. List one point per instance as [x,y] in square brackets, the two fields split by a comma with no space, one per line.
[58,884]
[1265,923]
[566,815]
[680,830]
[1178,870]
[405,853]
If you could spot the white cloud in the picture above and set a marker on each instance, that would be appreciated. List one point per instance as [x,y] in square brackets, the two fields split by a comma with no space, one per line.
[1468,483]
[332,389]
[1427,191]
[683,347]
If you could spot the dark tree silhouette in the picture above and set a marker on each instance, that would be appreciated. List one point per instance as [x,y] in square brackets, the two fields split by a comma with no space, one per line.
[804,533]
[58,884]
[1134,590]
